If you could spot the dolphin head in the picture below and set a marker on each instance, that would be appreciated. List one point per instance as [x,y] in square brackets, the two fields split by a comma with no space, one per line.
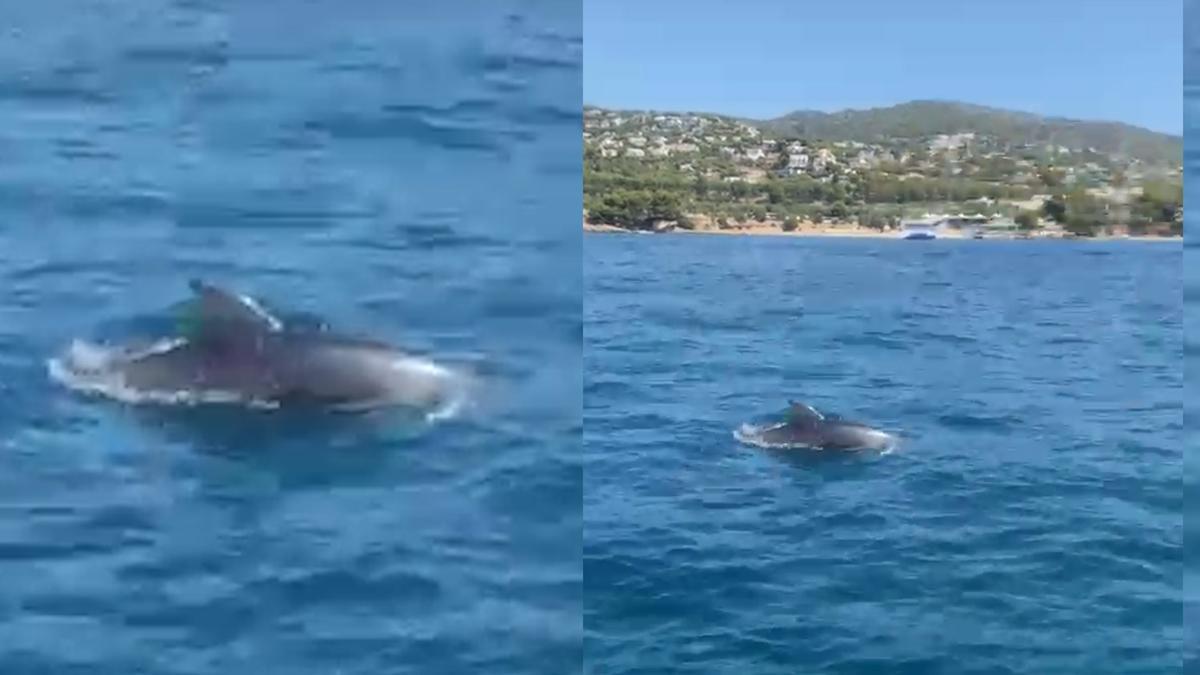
[852,435]
[350,374]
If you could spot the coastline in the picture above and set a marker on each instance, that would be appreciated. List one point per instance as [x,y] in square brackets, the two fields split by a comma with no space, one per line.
[856,232]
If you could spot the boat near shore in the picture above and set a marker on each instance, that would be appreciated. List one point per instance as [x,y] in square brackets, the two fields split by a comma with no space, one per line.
[922,229]
[918,234]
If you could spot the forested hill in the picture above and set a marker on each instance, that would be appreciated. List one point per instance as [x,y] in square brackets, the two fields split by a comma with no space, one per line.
[876,166]
[922,119]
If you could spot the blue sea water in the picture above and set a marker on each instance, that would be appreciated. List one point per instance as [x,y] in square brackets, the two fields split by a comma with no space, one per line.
[1191,295]
[408,171]
[1029,522]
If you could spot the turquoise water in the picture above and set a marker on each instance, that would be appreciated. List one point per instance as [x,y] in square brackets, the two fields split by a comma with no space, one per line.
[1029,522]
[412,177]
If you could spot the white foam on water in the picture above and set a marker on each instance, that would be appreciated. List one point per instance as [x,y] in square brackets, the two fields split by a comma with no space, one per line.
[94,369]
[459,386]
[461,389]
[448,410]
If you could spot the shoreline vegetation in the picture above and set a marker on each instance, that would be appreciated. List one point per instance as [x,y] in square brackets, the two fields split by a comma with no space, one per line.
[959,170]
[859,232]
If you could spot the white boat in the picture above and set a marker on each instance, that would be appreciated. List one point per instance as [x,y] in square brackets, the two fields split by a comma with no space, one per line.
[918,233]
[924,228]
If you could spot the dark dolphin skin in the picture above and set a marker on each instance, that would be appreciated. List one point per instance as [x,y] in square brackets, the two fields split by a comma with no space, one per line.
[806,427]
[234,345]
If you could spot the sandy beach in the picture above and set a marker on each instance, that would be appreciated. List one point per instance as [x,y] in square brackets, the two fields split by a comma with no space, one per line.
[818,230]
[772,230]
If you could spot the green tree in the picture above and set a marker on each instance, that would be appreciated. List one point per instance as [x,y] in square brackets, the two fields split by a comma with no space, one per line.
[872,218]
[1027,220]
[1050,176]
[637,209]
[1160,202]
[1055,209]
[1085,214]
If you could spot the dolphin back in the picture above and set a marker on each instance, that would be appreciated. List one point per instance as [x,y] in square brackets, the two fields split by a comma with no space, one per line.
[806,427]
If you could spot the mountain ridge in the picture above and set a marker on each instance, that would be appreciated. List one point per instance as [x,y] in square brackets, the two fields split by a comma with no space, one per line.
[923,118]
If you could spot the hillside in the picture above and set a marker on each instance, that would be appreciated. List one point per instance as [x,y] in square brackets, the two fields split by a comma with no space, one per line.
[920,119]
[875,167]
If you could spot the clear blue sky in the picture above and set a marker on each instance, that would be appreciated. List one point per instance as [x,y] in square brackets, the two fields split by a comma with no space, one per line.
[1118,60]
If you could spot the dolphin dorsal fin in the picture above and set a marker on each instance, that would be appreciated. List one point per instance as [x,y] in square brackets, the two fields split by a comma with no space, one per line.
[221,315]
[803,414]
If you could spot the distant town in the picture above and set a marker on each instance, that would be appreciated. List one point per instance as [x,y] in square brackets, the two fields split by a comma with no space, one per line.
[987,172]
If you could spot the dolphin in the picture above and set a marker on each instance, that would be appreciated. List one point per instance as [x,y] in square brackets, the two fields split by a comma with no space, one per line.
[235,350]
[806,427]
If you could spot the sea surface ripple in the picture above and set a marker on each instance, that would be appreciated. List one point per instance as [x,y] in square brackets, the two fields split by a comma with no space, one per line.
[1029,522]
[404,171]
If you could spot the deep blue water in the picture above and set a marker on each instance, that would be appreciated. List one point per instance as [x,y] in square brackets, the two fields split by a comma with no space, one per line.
[1191,277]
[1030,521]
[407,171]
